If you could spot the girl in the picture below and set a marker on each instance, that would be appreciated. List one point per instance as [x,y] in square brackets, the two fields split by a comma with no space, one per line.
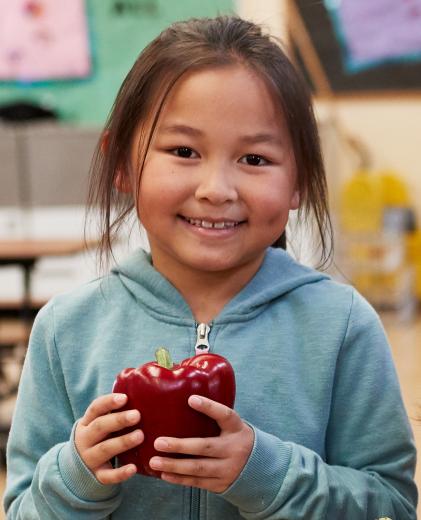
[213,141]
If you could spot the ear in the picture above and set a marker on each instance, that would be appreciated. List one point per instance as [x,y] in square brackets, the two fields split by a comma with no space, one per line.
[122,181]
[295,200]
[105,139]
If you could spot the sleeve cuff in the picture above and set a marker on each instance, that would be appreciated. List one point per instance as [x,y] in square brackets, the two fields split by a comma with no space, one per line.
[78,477]
[258,484]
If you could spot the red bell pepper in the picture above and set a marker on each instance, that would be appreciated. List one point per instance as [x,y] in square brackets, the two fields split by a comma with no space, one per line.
[160,390]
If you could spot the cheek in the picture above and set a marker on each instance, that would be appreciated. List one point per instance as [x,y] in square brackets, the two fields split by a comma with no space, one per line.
[277,217]
[273,203]
[160,194]
[146,201]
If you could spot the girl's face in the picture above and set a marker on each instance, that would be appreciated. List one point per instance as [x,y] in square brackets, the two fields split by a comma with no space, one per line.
[219,177]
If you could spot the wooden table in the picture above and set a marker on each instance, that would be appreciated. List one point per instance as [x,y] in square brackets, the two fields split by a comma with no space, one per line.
[14,251]
[26,253]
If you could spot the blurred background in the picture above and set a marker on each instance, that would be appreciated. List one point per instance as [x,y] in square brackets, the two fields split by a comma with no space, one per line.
[61,64]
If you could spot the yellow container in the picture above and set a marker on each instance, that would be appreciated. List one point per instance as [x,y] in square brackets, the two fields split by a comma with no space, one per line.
[375,217]
[361,208]
[394,190]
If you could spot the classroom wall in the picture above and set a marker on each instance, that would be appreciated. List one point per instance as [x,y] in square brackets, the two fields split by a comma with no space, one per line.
[391,130]
[389,127]
[270,13]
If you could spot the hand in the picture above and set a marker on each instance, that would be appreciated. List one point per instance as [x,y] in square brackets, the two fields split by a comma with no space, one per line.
[93,442]
[218,460]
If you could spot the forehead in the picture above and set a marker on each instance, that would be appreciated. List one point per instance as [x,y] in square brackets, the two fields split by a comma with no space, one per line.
[223,93]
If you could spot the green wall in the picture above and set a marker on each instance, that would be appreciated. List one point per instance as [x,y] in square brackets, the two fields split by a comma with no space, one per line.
[117,36]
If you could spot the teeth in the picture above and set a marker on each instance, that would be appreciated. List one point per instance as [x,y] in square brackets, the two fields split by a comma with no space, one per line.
[219,225]
[209,225]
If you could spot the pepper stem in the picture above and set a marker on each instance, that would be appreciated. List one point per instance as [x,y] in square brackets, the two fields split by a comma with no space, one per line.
[163,358]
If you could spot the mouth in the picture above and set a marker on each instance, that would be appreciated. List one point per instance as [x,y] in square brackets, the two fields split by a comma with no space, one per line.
[212,224]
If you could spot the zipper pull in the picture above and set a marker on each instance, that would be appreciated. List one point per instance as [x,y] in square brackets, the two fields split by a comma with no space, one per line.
[202,342]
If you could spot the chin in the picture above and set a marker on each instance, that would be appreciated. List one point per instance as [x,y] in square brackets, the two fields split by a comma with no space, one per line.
[218,264]
[208,263]
[214,267]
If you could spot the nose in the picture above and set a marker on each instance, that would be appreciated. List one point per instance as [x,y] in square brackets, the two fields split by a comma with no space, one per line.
[217,185]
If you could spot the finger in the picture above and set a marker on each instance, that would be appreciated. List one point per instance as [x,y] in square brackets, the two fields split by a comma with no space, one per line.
[108,475]
[200,467]
[104,451]
[210,484]
[225,416]
[103,405]
[199,446]
[102,426]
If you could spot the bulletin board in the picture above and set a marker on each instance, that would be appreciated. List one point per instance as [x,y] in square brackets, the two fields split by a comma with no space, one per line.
[43,40]
[355,47]
[114,34]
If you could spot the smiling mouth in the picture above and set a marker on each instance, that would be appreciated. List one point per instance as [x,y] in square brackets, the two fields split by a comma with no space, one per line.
[208,224]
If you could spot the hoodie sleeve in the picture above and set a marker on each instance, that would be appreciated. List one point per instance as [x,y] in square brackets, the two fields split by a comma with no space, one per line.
[46,479]
[369,466]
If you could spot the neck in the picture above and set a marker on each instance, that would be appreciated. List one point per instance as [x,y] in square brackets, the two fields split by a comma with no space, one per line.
[207,292]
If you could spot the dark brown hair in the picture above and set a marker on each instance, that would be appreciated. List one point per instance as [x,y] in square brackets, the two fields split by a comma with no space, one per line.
[192,45]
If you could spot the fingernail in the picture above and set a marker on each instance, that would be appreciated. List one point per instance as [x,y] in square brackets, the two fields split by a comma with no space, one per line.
[160,444]
[155,463]
[195,400]
[136,435]
[132,416]
[120,398]
[131,470]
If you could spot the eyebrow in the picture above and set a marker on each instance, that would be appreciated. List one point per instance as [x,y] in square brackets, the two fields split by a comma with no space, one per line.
[261,137]
[181,129]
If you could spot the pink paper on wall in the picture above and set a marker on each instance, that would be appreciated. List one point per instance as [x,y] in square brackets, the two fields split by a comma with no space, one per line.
[43,40]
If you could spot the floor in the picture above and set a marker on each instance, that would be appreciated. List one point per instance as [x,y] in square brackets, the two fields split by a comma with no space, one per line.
[405,339]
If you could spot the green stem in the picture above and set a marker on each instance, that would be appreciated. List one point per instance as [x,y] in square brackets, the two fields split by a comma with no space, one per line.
[163,358]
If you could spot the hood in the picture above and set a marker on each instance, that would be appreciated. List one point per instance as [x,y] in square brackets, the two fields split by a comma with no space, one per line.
[278,275]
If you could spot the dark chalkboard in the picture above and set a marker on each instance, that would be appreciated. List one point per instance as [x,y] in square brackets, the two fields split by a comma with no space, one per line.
[318,53]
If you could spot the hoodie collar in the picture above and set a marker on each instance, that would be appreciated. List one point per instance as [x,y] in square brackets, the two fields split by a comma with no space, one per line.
[278,275]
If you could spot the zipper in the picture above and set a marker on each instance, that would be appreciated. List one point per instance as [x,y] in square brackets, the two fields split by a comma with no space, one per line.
[202,346]
[202,338]
[195,504]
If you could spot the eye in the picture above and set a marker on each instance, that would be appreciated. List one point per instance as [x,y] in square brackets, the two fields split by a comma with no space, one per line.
[253,159]
[185,152]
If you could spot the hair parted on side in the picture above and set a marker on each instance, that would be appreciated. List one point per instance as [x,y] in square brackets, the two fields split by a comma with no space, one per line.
[192,45]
